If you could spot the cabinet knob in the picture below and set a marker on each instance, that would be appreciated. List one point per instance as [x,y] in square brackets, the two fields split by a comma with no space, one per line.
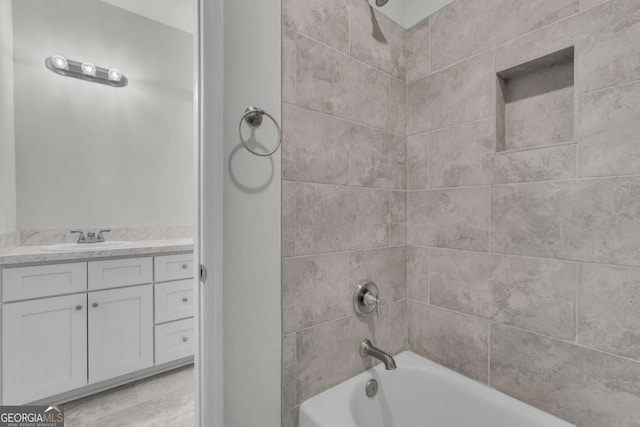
[95,305]
[78,307]
[185,339]
[185,299]
[185,266]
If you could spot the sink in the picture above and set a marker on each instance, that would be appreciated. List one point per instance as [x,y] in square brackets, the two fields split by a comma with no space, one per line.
[78,247]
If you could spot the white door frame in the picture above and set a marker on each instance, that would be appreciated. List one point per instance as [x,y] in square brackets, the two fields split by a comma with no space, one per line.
[208,243]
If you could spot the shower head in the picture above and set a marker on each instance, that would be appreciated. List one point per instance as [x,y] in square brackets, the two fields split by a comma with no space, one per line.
[381,3]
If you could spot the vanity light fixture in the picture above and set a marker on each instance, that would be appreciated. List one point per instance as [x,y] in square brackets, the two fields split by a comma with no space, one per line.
[86,71]
[60,62]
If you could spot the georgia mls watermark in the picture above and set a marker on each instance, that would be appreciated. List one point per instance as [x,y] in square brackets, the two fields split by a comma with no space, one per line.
[31,416]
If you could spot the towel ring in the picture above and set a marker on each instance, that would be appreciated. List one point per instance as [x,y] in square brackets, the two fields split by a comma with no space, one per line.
[253,117]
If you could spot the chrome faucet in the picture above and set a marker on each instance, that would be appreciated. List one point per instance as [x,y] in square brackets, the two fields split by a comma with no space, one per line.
[91,236]
[367,349]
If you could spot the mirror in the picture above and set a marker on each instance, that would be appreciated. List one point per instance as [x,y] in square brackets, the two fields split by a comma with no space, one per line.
[97,120]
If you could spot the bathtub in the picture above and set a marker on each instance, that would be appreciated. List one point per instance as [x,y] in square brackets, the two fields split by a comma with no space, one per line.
[419,393]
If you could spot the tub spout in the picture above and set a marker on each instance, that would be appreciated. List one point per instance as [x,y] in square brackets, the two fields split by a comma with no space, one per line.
[367,349]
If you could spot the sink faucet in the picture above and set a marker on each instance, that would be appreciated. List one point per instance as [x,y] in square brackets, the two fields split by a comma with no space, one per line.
[367,349]
[91,236]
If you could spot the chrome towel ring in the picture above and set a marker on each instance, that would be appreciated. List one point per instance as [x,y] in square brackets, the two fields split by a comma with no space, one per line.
[253,117]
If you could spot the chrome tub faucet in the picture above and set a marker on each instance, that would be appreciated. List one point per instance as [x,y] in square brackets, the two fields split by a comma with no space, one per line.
[367,349]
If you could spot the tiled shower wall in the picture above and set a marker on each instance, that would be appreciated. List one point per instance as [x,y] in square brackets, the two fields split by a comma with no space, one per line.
[522,262]
[344,165]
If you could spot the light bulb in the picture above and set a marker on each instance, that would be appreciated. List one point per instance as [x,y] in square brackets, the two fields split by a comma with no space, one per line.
[115,75]
[88,69]
[60,62]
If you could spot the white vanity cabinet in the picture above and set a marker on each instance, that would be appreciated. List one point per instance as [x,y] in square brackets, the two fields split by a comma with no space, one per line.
[44,348]
[120,332]
[71,329]
[175,307]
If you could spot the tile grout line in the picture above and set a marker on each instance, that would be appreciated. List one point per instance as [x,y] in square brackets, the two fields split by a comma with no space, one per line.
[577,307]
[343,119]
[539,334]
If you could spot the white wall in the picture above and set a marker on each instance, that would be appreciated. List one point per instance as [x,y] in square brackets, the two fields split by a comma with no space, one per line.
[409,12]
[89,155]
[252,217]
[7,146]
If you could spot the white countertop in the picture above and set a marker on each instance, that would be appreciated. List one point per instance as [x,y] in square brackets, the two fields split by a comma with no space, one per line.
[36,254]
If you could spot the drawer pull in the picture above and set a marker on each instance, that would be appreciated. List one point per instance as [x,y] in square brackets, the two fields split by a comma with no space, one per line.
[95,305]
[185,339]
[78,307]
[185,299]
[185,266]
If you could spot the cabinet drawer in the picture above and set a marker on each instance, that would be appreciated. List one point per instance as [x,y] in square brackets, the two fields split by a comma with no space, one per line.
[174,300]
[175,340]
[120,272]
[43,280]
[173,267]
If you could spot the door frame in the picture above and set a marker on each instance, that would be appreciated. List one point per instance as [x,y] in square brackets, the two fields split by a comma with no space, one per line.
[208,238]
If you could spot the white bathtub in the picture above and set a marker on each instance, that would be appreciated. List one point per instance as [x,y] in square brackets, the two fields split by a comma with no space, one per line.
[419,393]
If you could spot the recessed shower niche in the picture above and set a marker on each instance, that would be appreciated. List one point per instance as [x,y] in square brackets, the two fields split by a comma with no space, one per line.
[535,103]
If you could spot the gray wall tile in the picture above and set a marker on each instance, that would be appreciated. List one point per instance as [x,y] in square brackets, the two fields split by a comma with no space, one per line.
[544,164]
[417,54]
[458,219]
[318,350]
[315,289]
[333,83]
[418,161]
[291,417]
[459,94]
[455,340]
[609,317]
[586,220]
[386,267]
[377,159]
[331,218]
[288,219]
[288,65]
[376,39]
[418,273]
[603,35]
[398,218]
[468,27]
[531,293]
[609,132]
[586,4]
[323,20]
[398,334]
[398,107]
[315,147]
[289,386]
[608,54]
[588,388]
[328,353]
[463,155]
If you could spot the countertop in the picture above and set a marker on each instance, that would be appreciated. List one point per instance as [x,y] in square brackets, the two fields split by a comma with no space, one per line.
[35,254]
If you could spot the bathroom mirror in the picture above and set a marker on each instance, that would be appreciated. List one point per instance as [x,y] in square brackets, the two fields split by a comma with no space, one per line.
[89,155]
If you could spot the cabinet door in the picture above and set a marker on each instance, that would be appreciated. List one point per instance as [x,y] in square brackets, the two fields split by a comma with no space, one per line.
[44,348]
[120,332]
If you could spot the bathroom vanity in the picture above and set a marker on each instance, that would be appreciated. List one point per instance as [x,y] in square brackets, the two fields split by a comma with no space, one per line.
[81,322]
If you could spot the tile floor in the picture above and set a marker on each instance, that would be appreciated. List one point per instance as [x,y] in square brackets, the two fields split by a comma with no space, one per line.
[163,400]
